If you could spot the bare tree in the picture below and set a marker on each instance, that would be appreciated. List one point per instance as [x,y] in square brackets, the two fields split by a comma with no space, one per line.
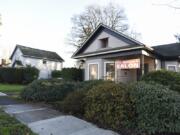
[177,36]
[171,4]
[85,23]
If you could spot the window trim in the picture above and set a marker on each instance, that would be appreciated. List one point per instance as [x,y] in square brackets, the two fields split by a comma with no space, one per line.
[173,66]
[103,46]
[96,63]
[112,62]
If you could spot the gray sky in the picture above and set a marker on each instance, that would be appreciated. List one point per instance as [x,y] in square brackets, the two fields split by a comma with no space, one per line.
[45,24]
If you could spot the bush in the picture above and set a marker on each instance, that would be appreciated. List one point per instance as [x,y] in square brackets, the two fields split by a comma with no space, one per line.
[11,75]
[157,108]
[30,74]
[18,75]
[56,74]
[74,102]
[69,74]
[164,77]
[48,90]
[108,105]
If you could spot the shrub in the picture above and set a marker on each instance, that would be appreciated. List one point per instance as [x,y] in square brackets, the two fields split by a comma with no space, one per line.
[74,102]
[164,77]
[30,74]
[69,74]
[11,75]
[56,74]
[108,105]
[48,90]
[18,75]
[157,108]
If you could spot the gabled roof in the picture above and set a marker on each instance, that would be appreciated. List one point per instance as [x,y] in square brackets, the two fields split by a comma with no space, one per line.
[115,33]
[37,53]
[168,50]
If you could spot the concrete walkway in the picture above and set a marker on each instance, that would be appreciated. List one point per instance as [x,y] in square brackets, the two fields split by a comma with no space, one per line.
[43,120]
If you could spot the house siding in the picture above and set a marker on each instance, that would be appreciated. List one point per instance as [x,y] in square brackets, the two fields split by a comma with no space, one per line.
[172,63]
[45,69]
[113,42]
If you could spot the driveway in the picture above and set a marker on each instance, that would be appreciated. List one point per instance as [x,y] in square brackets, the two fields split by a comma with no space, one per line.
[44,120]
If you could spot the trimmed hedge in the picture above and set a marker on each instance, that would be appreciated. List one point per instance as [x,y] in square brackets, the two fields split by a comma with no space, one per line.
[48,90]
[156,107]
[109,106]
[56,74]
[30,74]
[69,74]
[18,75]
[164,77]
[74,102]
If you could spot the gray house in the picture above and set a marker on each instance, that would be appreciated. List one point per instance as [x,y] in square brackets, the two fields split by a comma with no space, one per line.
[109,54]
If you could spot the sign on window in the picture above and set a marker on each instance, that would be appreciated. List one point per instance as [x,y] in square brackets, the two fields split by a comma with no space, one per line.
[128,64]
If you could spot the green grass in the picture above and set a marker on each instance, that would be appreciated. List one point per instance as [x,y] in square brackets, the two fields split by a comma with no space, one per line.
[10,126]
[11,88]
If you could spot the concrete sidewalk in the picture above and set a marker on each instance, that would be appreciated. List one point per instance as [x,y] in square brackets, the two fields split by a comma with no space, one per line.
[44,120]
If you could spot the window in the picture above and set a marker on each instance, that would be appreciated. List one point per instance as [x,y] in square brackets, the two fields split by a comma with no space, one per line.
[110,71]
[171,68]
[104,42]
[44,61]
[93,71]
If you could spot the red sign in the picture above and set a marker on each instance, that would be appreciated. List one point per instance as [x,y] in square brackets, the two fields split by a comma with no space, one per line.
[128,64]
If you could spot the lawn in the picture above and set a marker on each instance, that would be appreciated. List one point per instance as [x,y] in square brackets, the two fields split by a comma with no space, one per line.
[10,126]
[11,88]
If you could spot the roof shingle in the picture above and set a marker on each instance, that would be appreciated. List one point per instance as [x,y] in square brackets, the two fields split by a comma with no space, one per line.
[37,53]
[169,50]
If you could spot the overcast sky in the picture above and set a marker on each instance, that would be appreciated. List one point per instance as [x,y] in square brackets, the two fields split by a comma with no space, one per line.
[45,24]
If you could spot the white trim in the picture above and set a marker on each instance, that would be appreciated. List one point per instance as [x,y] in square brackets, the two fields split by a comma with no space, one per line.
[173,66]
[126,49]
[98,69]
[105,66]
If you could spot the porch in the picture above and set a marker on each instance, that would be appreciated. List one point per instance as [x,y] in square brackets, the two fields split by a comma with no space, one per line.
[127,69]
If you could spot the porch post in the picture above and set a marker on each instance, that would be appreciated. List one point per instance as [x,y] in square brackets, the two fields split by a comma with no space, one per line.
[141,65]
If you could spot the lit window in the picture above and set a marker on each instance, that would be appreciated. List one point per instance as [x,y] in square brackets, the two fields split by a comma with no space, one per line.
[93,71]
[104,42]
[172,68]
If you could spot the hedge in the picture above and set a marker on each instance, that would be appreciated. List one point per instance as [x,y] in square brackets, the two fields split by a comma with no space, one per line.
[69,74]
[18,75]
[48,90]
[156,107]
[164,77]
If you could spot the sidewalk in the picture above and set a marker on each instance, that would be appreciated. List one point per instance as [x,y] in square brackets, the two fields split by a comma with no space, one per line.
[43,120]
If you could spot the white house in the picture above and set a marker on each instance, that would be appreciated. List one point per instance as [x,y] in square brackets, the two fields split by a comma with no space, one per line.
[45,61]
[109,54]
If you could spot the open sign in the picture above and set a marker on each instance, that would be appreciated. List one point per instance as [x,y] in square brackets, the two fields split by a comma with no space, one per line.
[128,64]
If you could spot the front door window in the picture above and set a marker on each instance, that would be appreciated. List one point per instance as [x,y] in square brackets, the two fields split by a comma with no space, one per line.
[110,71]
[93,71]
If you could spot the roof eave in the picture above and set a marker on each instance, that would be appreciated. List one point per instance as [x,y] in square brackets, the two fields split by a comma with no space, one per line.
[107,52]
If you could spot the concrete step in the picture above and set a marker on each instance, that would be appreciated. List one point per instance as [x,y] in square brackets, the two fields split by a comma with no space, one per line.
[36,115]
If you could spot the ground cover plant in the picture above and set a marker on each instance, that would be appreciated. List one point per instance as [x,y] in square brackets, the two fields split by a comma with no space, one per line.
[10,126]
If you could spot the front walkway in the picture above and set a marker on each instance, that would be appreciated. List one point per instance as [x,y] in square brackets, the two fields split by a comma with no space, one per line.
[43,120]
